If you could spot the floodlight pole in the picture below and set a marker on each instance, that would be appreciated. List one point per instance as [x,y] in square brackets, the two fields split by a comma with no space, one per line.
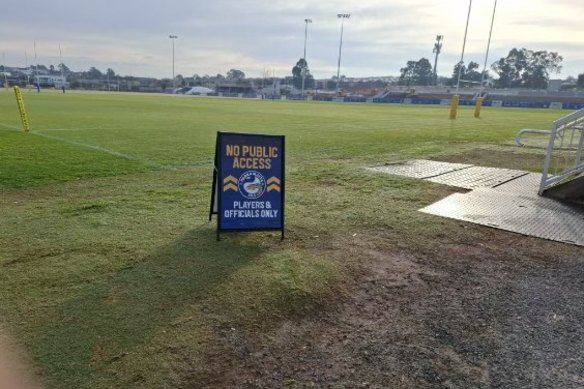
[342,17]
[173,38]
[437,50]
[38,81]
[488,46]
[61,59]
[306,21]
[5,84]
[463,48]
[27,68]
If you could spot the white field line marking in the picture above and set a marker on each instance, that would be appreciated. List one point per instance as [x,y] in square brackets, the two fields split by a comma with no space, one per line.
[102,149]
[93,147]
[67,129]
[8,127]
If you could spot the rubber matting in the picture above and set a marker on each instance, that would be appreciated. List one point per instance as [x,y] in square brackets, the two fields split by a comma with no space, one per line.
[477,177]
[527,184]
[420,168]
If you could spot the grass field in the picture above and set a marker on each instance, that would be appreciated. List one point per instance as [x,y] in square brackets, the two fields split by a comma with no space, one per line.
[110,273]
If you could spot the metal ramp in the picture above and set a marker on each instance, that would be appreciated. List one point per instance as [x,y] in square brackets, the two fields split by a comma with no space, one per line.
[564,159]
[499,198]
[522,213]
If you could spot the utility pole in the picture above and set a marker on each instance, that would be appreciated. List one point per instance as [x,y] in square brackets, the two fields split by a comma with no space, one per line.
[437,50]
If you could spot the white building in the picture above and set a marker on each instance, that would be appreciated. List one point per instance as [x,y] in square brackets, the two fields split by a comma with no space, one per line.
[51,81]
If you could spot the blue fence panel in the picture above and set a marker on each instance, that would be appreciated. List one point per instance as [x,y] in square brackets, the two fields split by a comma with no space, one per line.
[355,99]
[388,100]
[573,105]
[419,101]
[323,98]
[525,104]
[426,101]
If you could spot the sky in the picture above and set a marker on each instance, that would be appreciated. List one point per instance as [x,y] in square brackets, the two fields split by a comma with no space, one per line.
[267,37]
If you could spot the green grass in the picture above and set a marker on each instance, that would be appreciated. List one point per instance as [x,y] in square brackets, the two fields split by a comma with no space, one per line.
[109,272]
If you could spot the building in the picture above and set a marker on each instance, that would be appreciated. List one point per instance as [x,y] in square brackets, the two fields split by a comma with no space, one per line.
[48,81]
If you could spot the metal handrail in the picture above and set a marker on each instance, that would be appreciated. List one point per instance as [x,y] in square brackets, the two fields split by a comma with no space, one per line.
[575,122]
[529,131]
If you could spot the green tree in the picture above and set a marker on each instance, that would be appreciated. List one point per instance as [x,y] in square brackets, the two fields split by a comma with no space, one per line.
[40,67]
[468,74]
[235,75]
[63,68]
[416,73]
[472,74]
[110,73]
[459,68]
[407,73]
[298,71]
[580,81]
[179,80]
[423,73]
[526,68]
[94,73]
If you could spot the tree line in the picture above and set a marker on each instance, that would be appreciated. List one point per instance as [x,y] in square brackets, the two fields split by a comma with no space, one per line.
[521,68]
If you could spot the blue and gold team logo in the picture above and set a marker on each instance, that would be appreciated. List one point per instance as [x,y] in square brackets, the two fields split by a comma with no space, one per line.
[252,185]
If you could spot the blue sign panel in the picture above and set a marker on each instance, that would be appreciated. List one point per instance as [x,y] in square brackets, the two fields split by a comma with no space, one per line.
[249,182]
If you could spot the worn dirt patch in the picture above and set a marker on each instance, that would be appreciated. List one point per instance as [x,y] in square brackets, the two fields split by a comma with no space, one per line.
[462,315]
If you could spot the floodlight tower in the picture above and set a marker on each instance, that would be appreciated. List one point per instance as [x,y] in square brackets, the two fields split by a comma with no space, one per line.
[437,50]
[306,22]
[173,38]
[342,17]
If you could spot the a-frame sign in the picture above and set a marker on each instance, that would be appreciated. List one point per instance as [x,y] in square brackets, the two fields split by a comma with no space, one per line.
[248,182]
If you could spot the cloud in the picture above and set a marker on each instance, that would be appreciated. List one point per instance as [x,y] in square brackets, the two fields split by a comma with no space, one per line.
[379,38]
